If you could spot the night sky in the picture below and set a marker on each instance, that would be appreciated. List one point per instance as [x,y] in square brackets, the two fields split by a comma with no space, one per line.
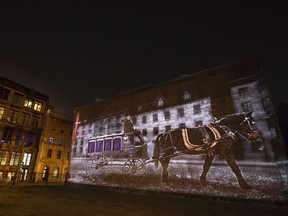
[75,51]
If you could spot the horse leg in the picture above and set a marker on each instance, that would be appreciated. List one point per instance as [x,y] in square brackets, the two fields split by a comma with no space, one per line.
[234,167]
[207,164]
[165,164]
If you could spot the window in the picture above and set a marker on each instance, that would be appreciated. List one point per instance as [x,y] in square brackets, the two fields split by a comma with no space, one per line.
[19,138]
[198,123]
[242,92]
[13,116]
[7,135]
[17,99]
[155,130]
[60,141]
[182,125]
[25,118]
[180,112]
[37,106]
[266,102]
[197,109]
[35,121]
[58,154]
[56,172]
[49,153]
[160,102]
[246,107]
[4,93]
[144,132]
[167,128]
[155,117]
[30,139]
[144,119]
[187,95]
[2,110]
[167,115]
[3,157]
[51,140]
[28,103]
[14,160]
[26,159]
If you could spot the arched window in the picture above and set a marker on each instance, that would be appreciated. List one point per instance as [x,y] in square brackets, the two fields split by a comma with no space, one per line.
[187,95]
[160,101]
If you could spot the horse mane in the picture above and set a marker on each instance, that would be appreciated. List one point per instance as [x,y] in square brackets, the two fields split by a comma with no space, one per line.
[232,118]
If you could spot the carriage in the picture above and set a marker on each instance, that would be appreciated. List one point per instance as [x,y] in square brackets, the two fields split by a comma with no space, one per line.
[117,150]
[217,138]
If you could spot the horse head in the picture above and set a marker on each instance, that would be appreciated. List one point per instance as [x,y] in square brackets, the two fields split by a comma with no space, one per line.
[242,123]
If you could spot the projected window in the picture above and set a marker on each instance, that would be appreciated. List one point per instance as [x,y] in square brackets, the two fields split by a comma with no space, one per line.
[155,117]
[187,95]
[155,130]
[167,128]
[160,102]
[242,92]
[180,112]
[144,119]
[197,109]
[167,115]
[246,107]
[182,125]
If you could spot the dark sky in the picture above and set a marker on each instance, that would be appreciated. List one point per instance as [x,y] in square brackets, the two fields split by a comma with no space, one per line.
[75,51]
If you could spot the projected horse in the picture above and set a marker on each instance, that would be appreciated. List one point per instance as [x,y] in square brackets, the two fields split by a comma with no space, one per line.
[217,138]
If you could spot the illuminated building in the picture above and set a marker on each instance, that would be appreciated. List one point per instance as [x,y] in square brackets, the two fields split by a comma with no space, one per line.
[54,148]
[188,101]
[22,113]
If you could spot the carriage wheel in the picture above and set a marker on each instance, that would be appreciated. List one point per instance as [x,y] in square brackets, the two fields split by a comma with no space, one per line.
[134,170]
[94,166]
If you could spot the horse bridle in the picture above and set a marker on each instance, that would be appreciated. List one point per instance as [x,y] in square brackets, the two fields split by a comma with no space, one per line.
[250,125]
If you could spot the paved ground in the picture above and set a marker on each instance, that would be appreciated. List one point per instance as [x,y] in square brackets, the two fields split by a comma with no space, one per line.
[71,199]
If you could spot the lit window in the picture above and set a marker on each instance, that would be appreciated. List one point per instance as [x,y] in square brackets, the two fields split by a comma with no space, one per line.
[3,157]
[2,109]
[56,172]
[26,159]
[37,106]
[14,160]
[51,140]
[28,103]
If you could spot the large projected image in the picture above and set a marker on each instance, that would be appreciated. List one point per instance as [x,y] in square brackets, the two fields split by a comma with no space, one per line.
[182,148]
